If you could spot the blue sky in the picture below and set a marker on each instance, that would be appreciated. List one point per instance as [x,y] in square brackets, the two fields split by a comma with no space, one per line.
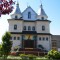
[51,7]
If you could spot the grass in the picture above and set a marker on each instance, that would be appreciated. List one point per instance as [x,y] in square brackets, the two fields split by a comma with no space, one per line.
[19,58]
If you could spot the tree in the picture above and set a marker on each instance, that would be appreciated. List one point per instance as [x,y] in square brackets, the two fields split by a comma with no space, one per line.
[0,49]
[53,54]
[6,44]
[6,7]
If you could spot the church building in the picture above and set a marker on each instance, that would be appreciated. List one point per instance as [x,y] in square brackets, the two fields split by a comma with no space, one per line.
[30,31]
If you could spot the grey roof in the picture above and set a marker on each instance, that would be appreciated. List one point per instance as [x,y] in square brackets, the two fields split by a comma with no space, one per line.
[30,8]
[42,12]
[17,11]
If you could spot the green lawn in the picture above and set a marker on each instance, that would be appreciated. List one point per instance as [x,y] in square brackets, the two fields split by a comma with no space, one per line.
[19,58]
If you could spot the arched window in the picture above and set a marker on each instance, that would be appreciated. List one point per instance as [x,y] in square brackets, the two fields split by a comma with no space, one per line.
[16,17]
[39,38]
[43,28]
[15,27]
[29,15]
[29,28]
[24,28]
[33,28]
[18,38]
[10,38]
[14,38]
[42,18]
[47,38]
[43,38]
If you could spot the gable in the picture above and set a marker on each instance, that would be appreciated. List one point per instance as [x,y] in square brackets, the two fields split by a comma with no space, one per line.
[26,13]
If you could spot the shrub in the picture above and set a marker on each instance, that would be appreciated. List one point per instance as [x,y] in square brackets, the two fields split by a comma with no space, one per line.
[31,57]
[27,57]
[23,56]
[53,54]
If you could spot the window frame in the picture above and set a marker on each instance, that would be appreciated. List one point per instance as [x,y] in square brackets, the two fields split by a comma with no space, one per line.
[15,26]
[33,28]
[29,15]
[39,38]
[29,28]
[10,38]
[24,28]
[43,28]
[14,37]
[43,38]
[47,38]
[16,17]
[18,38]
[42,18]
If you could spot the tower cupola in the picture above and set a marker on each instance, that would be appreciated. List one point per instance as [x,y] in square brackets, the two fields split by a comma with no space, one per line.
[41,14]
[17,14]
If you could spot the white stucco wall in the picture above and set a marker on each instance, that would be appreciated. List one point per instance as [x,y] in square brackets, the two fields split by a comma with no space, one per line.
[16,43]
[39,17]
[18,16]
[31,24]
[46,44]
[19,24]
[39,25]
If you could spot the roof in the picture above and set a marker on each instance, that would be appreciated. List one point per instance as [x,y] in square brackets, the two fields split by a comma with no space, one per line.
[30,8]
[55,37]
[41,11]
[17,11]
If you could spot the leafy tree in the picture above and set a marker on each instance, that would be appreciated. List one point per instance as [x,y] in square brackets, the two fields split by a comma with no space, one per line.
[6,6]
[6,44]
[53,54]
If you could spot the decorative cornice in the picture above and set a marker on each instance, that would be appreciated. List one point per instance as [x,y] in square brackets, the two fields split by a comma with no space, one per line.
[30,20]
[30,32]
[44,20]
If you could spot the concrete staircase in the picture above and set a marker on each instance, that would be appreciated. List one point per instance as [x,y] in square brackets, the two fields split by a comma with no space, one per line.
[35,51]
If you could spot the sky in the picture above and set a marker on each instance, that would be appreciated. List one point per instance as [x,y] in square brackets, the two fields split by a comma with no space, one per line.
[51,7]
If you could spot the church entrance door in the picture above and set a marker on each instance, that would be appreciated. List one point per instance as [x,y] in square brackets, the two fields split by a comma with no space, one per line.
[28,43]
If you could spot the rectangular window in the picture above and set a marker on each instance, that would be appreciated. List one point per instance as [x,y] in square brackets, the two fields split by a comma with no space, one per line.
[29,15]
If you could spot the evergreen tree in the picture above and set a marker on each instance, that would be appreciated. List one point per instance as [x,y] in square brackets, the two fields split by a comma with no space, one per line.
[6,44]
